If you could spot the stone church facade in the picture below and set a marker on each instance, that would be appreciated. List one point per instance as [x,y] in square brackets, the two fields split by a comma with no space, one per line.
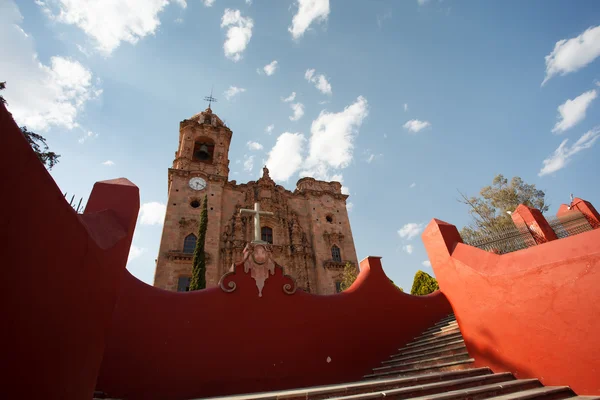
[309,229]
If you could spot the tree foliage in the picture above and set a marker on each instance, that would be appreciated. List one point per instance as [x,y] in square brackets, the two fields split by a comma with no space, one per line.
[489,209]
[2,87]
[397,287]
[37,142]
[348,276]
[424,284]
[198,280]
[40,148]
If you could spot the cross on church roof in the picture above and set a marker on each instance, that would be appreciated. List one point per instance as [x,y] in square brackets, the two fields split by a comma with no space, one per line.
[257,213]
[210,98]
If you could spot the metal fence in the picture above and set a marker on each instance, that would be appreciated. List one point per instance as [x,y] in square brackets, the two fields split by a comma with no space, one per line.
[79,208]
[503,240]
[572,223]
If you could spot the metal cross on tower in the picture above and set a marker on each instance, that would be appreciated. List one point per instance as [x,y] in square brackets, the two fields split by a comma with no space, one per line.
[257,213]
[210,98]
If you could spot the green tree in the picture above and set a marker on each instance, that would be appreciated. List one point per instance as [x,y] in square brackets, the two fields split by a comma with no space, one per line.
[424,284]
[397,287]
[198,280]
[37,142]
[348,276]
[489,210]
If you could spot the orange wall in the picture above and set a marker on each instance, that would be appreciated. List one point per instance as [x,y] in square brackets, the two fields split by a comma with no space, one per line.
[60,274]
[181,345]
[534,312]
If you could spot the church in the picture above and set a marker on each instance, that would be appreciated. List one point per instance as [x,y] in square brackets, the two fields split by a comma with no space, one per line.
[309,228]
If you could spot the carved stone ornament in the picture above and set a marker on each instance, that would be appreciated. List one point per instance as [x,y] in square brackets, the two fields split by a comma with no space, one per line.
[259,262]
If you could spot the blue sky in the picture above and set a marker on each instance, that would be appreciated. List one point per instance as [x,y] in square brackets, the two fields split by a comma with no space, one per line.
[404,101]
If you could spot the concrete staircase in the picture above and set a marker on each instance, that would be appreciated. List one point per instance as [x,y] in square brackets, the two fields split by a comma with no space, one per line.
[435,366]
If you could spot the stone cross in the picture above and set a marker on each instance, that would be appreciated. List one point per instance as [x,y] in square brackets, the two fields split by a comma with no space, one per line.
[257,213]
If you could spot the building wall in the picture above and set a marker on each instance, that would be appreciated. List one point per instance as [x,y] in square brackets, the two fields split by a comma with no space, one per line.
[301,234]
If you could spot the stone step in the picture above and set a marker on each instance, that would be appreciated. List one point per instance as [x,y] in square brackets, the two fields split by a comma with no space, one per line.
[405,352]
[344,389]
[585,398]
[447,319]
[485,391]
[399,367]
[449,366]
[433,388]
[424,342]
[546,393]
[431,345]
[437,334]
[447,326]
[427,353]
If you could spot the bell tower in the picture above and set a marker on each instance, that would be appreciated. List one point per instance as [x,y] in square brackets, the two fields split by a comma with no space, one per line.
[203,145]
[200,169]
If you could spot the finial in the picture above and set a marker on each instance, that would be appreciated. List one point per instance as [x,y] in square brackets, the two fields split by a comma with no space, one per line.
[210,99]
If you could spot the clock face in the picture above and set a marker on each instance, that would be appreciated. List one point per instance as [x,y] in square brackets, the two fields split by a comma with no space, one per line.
[197,183]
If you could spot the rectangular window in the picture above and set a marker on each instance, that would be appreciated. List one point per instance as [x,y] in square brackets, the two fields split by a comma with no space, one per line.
[183,284]
[338,286]
[267,234]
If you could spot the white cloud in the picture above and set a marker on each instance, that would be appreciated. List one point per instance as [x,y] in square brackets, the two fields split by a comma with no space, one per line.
[248,163]
[405,107]
[349,206]
[87,136]
[570,55]
[249,2]
[309,11]
[426,263]
[562,155]
[254,145]
[108,163]
[371,156]
[239,33]
[135,252]
[332,139]
[152,213]
[233,91]
[270,128]
[182,3]
[290,98]
[415,125]
[270,68]
[422,2]
[111,22]
[410,230]
[573,111]
[40,96]
[298,109]
[412,185]
[208,3]
[381,18]
[408,248]
[320,81]
[345,189]
[285,158]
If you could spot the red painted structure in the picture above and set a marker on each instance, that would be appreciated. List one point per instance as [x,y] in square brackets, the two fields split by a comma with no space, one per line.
[60,273]
[219,343]
[66,330]
[533,312]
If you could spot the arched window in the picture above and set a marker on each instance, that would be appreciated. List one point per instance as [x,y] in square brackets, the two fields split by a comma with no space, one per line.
[189,244]
[335,254]
[266,234]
